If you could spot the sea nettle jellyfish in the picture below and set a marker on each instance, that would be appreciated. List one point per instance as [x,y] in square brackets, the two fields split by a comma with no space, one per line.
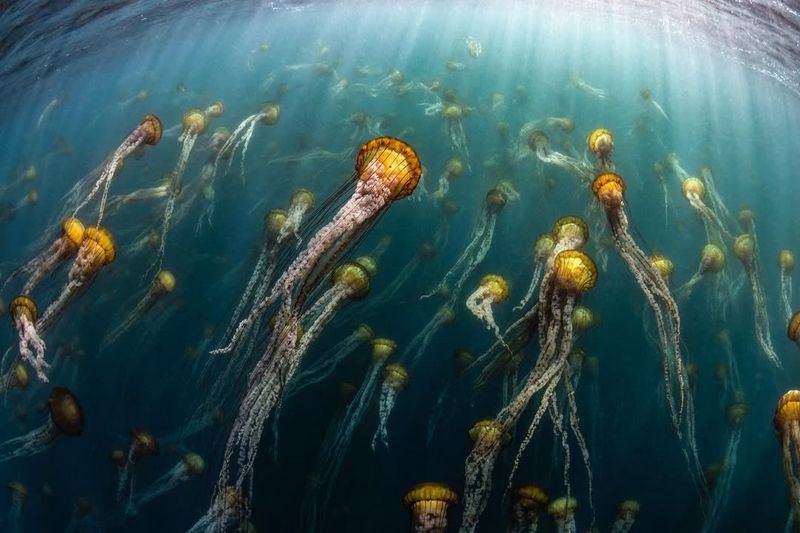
[793,331]
[609,189]
[65,420]
[269,115]
[539,144]
[189,467]
[563,512]
[387,170]
[19,497]
[478,246]
[428,504]
[712,261]
[694,191]
[542,249]
[163,284]
[16,378]
[526,503]
[395,380]
[744,248]
[453,115]
[787,427]
[786,264]
[571,274]
[453,169]
[95,252]
[143,446]
[147,132]
[24,314]
[493,289]
[627,513]
[462,359]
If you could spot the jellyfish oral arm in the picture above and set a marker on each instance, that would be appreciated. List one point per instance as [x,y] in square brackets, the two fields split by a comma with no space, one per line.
[31,346]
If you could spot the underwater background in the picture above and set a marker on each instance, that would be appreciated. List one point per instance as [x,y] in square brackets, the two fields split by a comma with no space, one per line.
[721,81]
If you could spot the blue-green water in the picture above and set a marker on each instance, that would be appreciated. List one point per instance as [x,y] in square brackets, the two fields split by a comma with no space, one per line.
[719,111]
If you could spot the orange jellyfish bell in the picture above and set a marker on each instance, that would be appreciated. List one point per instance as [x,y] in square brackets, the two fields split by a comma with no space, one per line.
[495,200]
[575,272]
[100,245]
[497,287]
[23,306]
[73,229]
[787,412]
[393,161]
[151,127]
[144,443]
[570,227]
[274,222]
[530,497]
[66,412]
[195,121]
[663,265]
[600,142]
[271,112]
[609,188]
[793,331]
[354,278]
[693,186]
[428,504]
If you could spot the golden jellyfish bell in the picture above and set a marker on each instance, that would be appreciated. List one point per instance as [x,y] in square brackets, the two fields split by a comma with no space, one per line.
[20,378]
[575,272]
[102,243]
[304,198]
[571,227]
[454,167]
[274,222]
[497,287]
[693,187]
[543,247]
[609,189]
[395,376]
[600,142]
[629,509]
[489,432]
[787,413]
[165,281]
[462,359]
[392,161]
[195,121]
[663,265]
[234,500]
[449,207]
[794,327]
[353,278]
[786,260]
[271,112]
[194,463]
[561,508]
[582,318]
[495,200]
[429,503]
[23,306]
[735,414]
[364,332]
[151,128]
[576,358]
[426,250]
[713,259]
[18,490]
[382,349]
[453,112]
[746,217]
[447,313]
[66,412]
[538,140]
[530,497]
[118,457]
[744,247]
[450,95]
[215,110]
[73,229]
[430,492]
[369,263]
[144,443]
[32,197]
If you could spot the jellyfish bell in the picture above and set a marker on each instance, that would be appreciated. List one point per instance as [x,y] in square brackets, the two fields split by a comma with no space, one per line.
[793,330]
[453,112]
[454,167]
[571,229]
[712,260]
[18,378]
[271,113]
[530,497]
[503,129]
[215,110]
[73,230]
[786,260]
[582,318]
[164,282]
[382,349]
[429,504]
[369,263]
[562,509]
[489,433]
[194,463]
[663,266]
[119,457]
[609,189]
[462,360]
[746,217]
[66,413]
[143,445]
[395,377]
[543,247]
[600,143]
[274,222]
[393,162]
[495,201]
[364,332]
[575,272]
[19,492]
[744,248]
[195,121]
[735,413]
[538,140]
[497,286]
[353,278]
[693,187]
[426,250]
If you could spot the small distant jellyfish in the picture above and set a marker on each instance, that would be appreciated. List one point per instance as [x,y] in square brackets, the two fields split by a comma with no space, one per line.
[563,512]
[786,262]
[19,497]
[579,83]
[143,445]
[301,203]
[474,48]
[526,503]
[487,436]
[65,420]
[163,284]
[462,360]
[429,504]
[395,380]
[601,143]
[712,261]
[695,191]
[627,513]
[453,115]
[647,96]
[147,132]
[542,249]
[744,248]
[24,314]
[493,289]
[190,466]
[453,169]
[16,378]
[269,115]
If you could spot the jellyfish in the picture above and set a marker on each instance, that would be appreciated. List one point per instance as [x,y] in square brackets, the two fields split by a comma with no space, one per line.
[787,428]
[301,203]
[609,189]
[395,380]
[190,466]
[744,248]
[163,284]
[147,132]
[793,330]
[453,169]
[563,512]
[65,420]
[712,261]
[627,513]
[478,246]
[269,115]
[19,497]
[542,249]
[694,191]
[601,144]
[474,48]
[735,414]
[462,360]
[714,198]
[570,274]
[539,144]
[576,81]
[786,264]
[337,440]
[429,504]
[387,170]
[453,115]
[15,378]
[228,510]
[72,232]
[526,503]
[493,289]
[95,252]
[143,445]
[24,314]
[647,96]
